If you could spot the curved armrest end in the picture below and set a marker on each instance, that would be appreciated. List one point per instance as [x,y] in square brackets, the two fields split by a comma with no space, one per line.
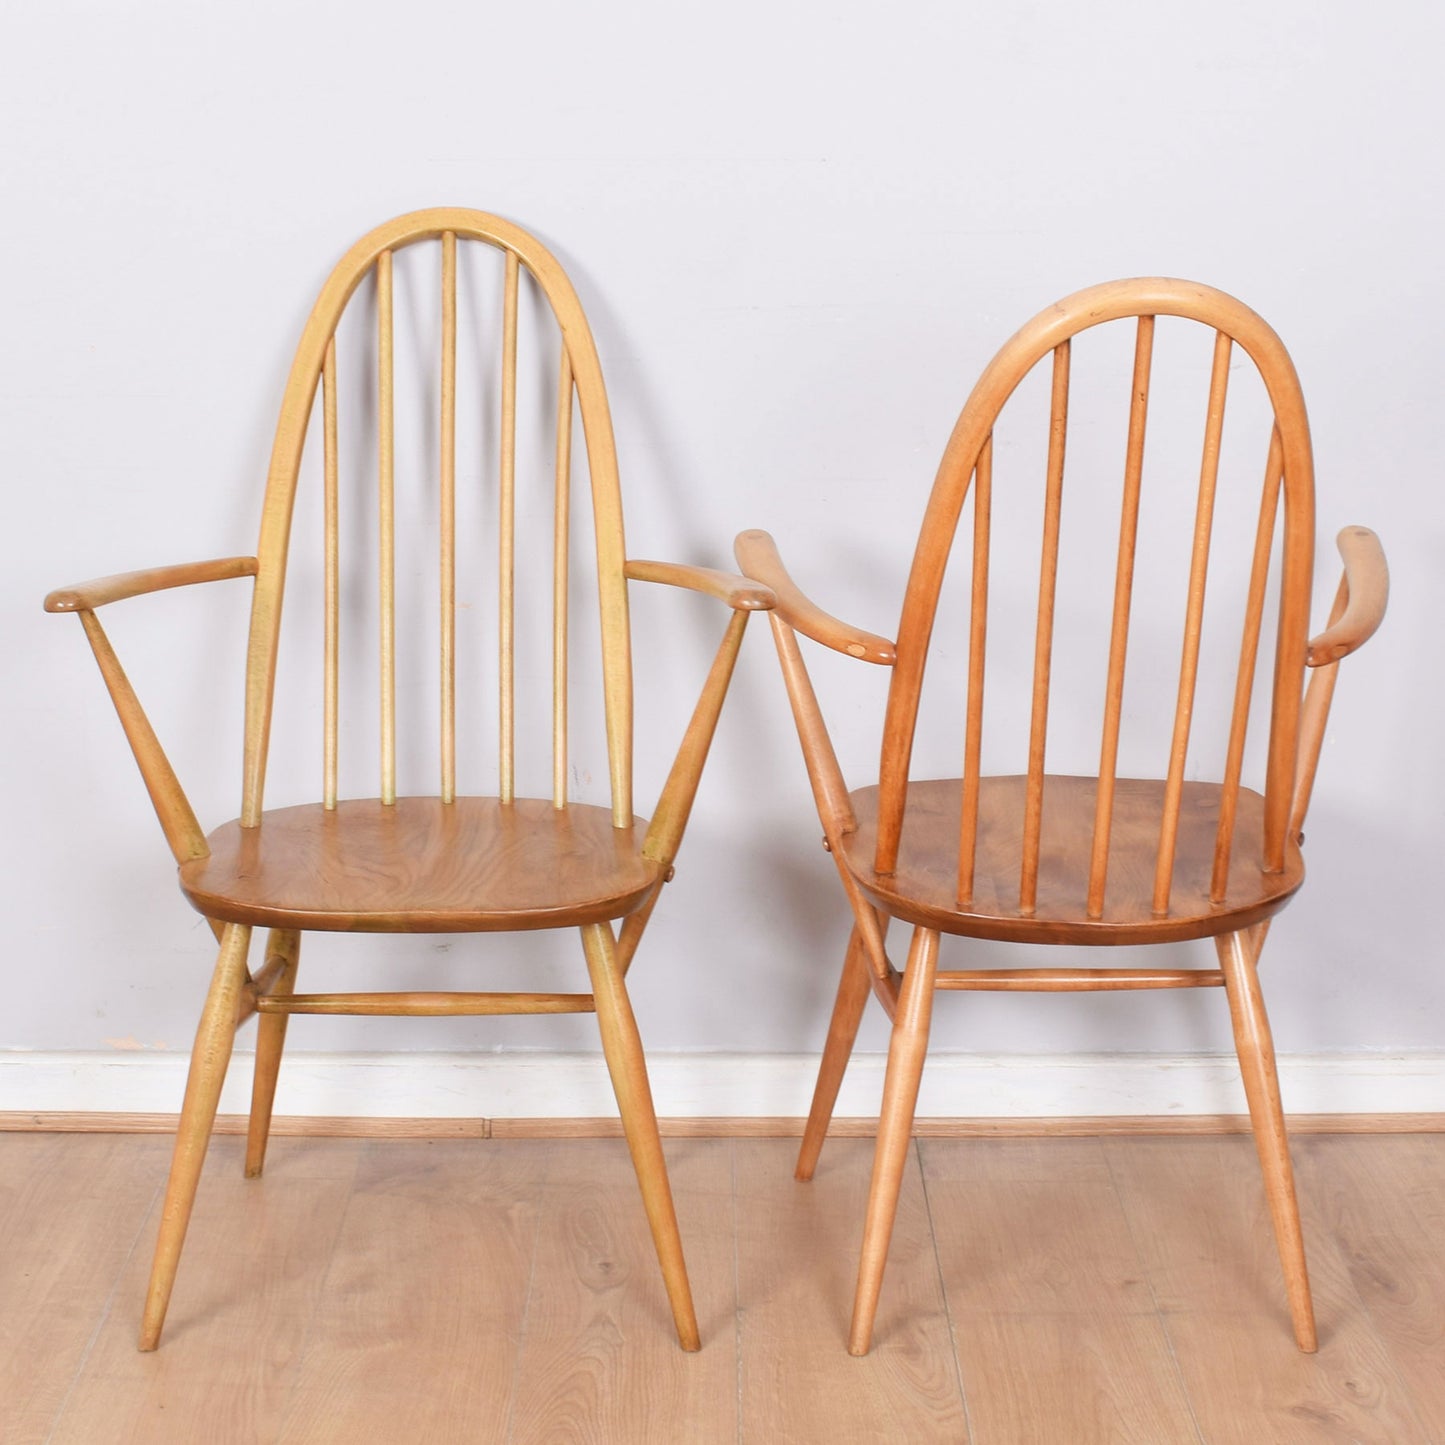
[758,557]
[87,596]
[1364,591]
[740,593]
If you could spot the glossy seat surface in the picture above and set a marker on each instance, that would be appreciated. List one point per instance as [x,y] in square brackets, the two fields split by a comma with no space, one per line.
[421,865]
[924,888]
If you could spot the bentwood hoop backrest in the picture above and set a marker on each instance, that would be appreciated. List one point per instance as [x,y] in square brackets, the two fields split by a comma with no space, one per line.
[580,376]
[968,464]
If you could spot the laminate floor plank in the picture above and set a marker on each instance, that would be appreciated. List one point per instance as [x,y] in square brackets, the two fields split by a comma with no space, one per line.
[71,1212]
[599,1357]
[1082,1378]
[797,1263]
[1039,1292]
[250,1278]
[416,1334]
[1055,1326]
[1198,1213]
[1382,1200]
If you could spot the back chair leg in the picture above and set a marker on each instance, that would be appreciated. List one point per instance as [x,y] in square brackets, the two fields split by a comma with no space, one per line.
[622,1046]
[895,1127]
[1238,956]
[853,991]
[209,1058]
[283,946]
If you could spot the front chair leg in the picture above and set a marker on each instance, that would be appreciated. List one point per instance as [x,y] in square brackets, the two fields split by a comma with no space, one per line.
[283,951]
[1238,956]
[853,990]
[209,1058]
[622,1047]
[906,1051]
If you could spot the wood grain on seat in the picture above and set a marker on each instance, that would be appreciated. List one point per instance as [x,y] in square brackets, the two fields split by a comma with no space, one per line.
[421,865]
[924,889]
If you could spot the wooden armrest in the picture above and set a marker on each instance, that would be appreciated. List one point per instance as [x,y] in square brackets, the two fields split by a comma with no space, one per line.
[87,596]
[757,555]
[1364,591]
[739,593]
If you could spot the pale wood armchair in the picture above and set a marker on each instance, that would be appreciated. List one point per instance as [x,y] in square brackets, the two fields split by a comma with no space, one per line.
[446,863]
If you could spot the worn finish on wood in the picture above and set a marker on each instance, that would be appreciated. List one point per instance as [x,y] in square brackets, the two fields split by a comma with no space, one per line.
[622,1047]
[895,1126]
[443,864]
[854,986]
[921,887]
[1048,859]
[423,866]
[1238,953]
[87,596]
[275,982]
[209,1058]
[758,558]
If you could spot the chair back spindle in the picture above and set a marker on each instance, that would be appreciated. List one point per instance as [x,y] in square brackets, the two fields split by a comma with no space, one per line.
[977,648]
[448,530]
[386,466]
[332,581]
[1193,623]
[560,547]
[507,560]
[1044,630]
[1248,655]
[1119,624]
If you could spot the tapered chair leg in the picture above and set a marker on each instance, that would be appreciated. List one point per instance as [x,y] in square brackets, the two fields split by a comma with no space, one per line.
[895,1127]
[622,1047]
[853,990]
[283,948]
[209,1058]
[1238,956]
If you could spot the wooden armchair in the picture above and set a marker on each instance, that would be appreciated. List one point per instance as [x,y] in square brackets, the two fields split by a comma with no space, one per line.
[1041,858]
[447,863]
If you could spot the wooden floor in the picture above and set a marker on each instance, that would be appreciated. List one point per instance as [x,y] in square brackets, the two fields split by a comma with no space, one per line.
[1040,1292]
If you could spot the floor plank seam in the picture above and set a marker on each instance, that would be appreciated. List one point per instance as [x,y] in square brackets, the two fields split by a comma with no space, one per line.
[1148,1278]
[943,1290]
[737,1289]
[542,1191]
[303,1348]
[103,1316]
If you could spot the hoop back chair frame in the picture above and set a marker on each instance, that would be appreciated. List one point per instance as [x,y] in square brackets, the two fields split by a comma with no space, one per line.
[502,864]
[976,856]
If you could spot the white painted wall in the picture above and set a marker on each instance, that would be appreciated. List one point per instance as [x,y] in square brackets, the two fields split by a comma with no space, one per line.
[799,231]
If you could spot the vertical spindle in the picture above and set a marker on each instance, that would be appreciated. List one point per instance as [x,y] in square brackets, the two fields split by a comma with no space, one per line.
[977,646]
[331,640]
[506,572]
[1119,633]
[559,580]
[1044,631]
[1193,625]
[449,518]
[387,469]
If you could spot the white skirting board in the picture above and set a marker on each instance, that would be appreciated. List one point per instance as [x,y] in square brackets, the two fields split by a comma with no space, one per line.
[519,1084]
